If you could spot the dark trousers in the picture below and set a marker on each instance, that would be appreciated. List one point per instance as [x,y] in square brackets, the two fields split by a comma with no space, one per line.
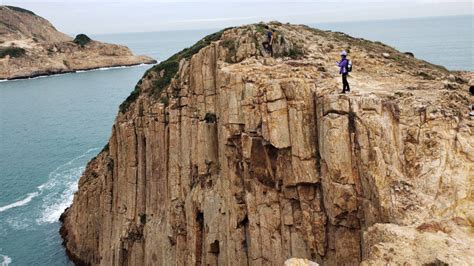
[345,84]
[268,47]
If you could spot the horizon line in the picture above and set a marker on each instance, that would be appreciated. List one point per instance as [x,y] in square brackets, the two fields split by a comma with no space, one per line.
[310,23]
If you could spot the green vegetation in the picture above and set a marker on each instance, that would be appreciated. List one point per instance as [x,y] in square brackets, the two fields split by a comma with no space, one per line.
[210,118]
[376,48]
[110,165]
[317,31]
[231,46]
[18,9]
[260,27]
[294,53]
[12,52]
[281,39]
[130,99]
[166,70]
[105,148]
[164,100]
[142,218]
[352,122]
[82,39]
[425,75]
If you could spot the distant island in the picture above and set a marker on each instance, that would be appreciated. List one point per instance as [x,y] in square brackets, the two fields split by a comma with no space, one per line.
[30,46]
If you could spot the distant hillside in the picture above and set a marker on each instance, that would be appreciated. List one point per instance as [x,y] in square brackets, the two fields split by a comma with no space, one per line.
[31,46]
[18,23]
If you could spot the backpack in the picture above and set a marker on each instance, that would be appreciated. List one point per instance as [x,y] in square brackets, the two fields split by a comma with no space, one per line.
[349,66]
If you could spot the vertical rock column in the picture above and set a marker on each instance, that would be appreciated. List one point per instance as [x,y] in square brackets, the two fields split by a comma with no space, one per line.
[338,178]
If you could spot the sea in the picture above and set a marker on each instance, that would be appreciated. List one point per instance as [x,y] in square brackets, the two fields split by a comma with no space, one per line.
[50,127]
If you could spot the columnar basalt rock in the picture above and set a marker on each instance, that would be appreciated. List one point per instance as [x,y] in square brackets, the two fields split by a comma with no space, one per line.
[248,160]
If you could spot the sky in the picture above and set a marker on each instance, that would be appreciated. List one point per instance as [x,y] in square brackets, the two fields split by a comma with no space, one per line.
[117,16]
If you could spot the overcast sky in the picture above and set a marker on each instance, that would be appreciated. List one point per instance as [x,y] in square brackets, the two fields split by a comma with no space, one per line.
[112,16]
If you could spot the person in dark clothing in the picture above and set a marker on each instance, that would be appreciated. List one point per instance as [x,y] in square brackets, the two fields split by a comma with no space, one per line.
[268,44]
[343,70]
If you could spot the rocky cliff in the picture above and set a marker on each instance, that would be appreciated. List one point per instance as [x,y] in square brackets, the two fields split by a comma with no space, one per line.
[30,46]
[222,155]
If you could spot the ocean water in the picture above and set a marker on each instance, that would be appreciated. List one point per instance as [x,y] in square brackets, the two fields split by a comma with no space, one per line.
[446,41]
[50,127]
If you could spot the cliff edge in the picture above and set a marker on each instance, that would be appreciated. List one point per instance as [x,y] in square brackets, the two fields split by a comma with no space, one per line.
[30,46]
[222,155]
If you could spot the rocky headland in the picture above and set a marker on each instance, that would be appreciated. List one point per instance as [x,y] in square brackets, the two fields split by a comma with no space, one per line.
[30,46]
[225,156]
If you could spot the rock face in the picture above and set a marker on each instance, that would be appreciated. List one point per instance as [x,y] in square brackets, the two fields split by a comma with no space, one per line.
[42,50]
[224,156]
[299,262]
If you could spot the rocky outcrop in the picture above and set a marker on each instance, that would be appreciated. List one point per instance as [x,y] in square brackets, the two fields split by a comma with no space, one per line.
[30,46]
[299,262]
[224,156]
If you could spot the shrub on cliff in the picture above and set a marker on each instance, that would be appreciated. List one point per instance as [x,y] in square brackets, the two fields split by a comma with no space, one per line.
[12,52]
[210,118]
[294,53]
[82,39]
[166,70]
[19,9]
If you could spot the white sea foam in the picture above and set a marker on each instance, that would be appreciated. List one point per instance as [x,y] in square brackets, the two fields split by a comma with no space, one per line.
[77,71]
[60,194]
[19,203]
[57,193]
[54,174]
[115,67]
[60,188]
[19,222]
[6,260]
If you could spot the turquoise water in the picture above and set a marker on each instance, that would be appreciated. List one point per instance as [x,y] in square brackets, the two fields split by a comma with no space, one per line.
[50,127]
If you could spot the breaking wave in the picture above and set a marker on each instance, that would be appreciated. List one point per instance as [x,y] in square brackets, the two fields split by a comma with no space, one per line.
[56,194]
[60,194]
[19,203]
[59,189]
[6,260]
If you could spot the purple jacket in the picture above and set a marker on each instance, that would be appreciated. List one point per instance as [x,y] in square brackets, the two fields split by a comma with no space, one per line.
[343,66]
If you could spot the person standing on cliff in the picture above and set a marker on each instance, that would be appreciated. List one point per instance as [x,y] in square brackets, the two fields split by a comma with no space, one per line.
[268,44]
[344,69]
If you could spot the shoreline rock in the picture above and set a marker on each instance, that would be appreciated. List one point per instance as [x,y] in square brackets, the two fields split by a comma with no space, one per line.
[48,74]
